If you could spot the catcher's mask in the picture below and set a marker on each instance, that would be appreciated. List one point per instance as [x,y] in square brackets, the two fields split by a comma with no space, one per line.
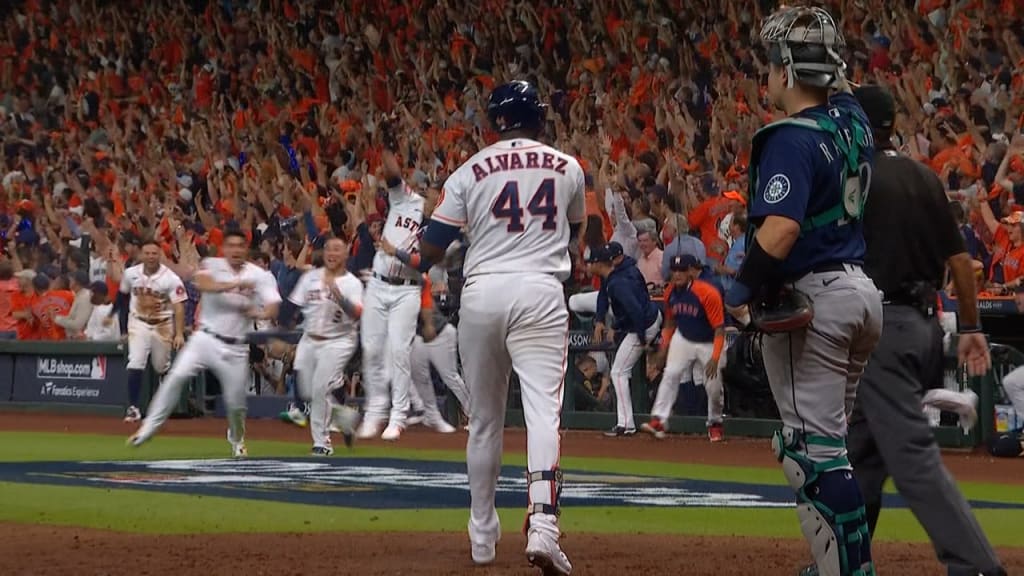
[806,42]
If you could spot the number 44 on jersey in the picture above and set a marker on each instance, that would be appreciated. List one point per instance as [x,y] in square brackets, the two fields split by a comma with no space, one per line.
[541,205]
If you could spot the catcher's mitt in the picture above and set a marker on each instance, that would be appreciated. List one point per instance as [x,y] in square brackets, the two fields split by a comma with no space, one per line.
[787,312]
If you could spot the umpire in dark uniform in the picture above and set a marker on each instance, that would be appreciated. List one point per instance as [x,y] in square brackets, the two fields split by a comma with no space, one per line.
[911,236]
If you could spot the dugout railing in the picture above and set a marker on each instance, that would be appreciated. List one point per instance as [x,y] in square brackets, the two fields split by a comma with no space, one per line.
[91,377]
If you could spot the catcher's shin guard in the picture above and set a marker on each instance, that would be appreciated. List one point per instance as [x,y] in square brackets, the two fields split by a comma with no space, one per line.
[829,505]
[543,502]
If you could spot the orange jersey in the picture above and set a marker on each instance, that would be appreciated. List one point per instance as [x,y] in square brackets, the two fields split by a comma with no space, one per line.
[48,306]
[1011,257]
[706,218]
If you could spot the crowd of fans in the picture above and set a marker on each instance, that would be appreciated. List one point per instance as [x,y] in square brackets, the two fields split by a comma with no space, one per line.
[175,119]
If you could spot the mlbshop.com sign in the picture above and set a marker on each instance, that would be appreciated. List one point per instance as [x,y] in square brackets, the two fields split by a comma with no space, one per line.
[74,379]
[94,368]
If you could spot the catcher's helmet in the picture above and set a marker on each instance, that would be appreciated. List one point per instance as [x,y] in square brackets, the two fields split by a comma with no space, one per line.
[516,105]
[805,41]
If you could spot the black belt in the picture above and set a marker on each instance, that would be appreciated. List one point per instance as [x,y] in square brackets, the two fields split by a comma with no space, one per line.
[225,339]
[396,281]
[832,267]
[151,321]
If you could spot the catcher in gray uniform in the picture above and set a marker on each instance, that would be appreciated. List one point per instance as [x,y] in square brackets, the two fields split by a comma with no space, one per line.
[801,282]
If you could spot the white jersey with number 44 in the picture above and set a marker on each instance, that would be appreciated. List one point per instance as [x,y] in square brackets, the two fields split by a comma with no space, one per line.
[516,199]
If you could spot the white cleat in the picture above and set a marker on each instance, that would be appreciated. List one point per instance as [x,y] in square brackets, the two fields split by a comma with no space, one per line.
[368,430]
[391,433]
[297,416]
[137,439]
[484,554]
[344,420]
[239,451]
[545,554]
[132,414]
[440,425]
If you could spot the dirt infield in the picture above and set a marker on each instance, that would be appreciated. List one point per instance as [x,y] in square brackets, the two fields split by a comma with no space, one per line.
[44,550]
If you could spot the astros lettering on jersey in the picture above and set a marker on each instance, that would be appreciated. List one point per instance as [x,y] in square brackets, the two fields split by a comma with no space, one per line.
[401,230]
[153,296]
[533,181]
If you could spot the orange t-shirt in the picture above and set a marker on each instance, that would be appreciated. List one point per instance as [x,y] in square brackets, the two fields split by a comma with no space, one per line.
[48,306]
[8,288]
[26,328]
[1012,258]
[706,217]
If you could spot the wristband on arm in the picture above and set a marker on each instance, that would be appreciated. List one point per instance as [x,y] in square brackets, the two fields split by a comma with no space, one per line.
[759,268]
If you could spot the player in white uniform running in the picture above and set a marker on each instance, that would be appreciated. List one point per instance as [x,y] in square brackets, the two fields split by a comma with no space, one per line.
[331,300]
[234,293]
[392,305]
[436,345]
[521,202]
[154,295]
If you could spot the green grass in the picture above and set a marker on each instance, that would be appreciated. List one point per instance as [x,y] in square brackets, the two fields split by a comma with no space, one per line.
[159,512]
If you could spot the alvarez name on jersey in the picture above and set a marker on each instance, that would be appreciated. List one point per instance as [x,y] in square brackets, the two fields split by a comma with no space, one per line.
[516,198]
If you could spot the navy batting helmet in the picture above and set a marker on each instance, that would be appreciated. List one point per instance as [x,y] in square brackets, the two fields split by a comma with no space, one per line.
[518,106]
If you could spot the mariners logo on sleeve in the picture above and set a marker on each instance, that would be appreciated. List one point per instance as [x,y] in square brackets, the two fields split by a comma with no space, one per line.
[776,189]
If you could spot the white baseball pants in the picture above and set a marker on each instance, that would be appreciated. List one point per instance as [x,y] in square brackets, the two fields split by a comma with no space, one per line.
[320,366]
[630,350]
[441,353]
[526,330]
[147,341]
[204,351]
[387,327]
[1013,384]
[687,358]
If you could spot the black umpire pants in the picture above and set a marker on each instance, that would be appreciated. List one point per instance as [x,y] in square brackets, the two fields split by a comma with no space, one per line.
[889,434]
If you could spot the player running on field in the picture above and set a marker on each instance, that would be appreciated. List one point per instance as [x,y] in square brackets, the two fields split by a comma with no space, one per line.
[154,295]
[694,341]
[521,202]
[234,293]
[331,299]
[436,346]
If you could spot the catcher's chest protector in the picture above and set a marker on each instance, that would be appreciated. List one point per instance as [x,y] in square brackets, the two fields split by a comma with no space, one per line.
[856,176]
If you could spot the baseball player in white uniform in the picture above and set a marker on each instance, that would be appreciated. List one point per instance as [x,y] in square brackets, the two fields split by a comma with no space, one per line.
[234,293]
[521,202]
[436,345]
[154,295]
[392,304]
[331,300]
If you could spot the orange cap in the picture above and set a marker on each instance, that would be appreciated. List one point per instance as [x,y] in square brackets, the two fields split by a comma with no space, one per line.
[734,195]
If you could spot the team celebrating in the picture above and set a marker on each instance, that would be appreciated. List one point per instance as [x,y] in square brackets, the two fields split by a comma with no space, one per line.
[519,206]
